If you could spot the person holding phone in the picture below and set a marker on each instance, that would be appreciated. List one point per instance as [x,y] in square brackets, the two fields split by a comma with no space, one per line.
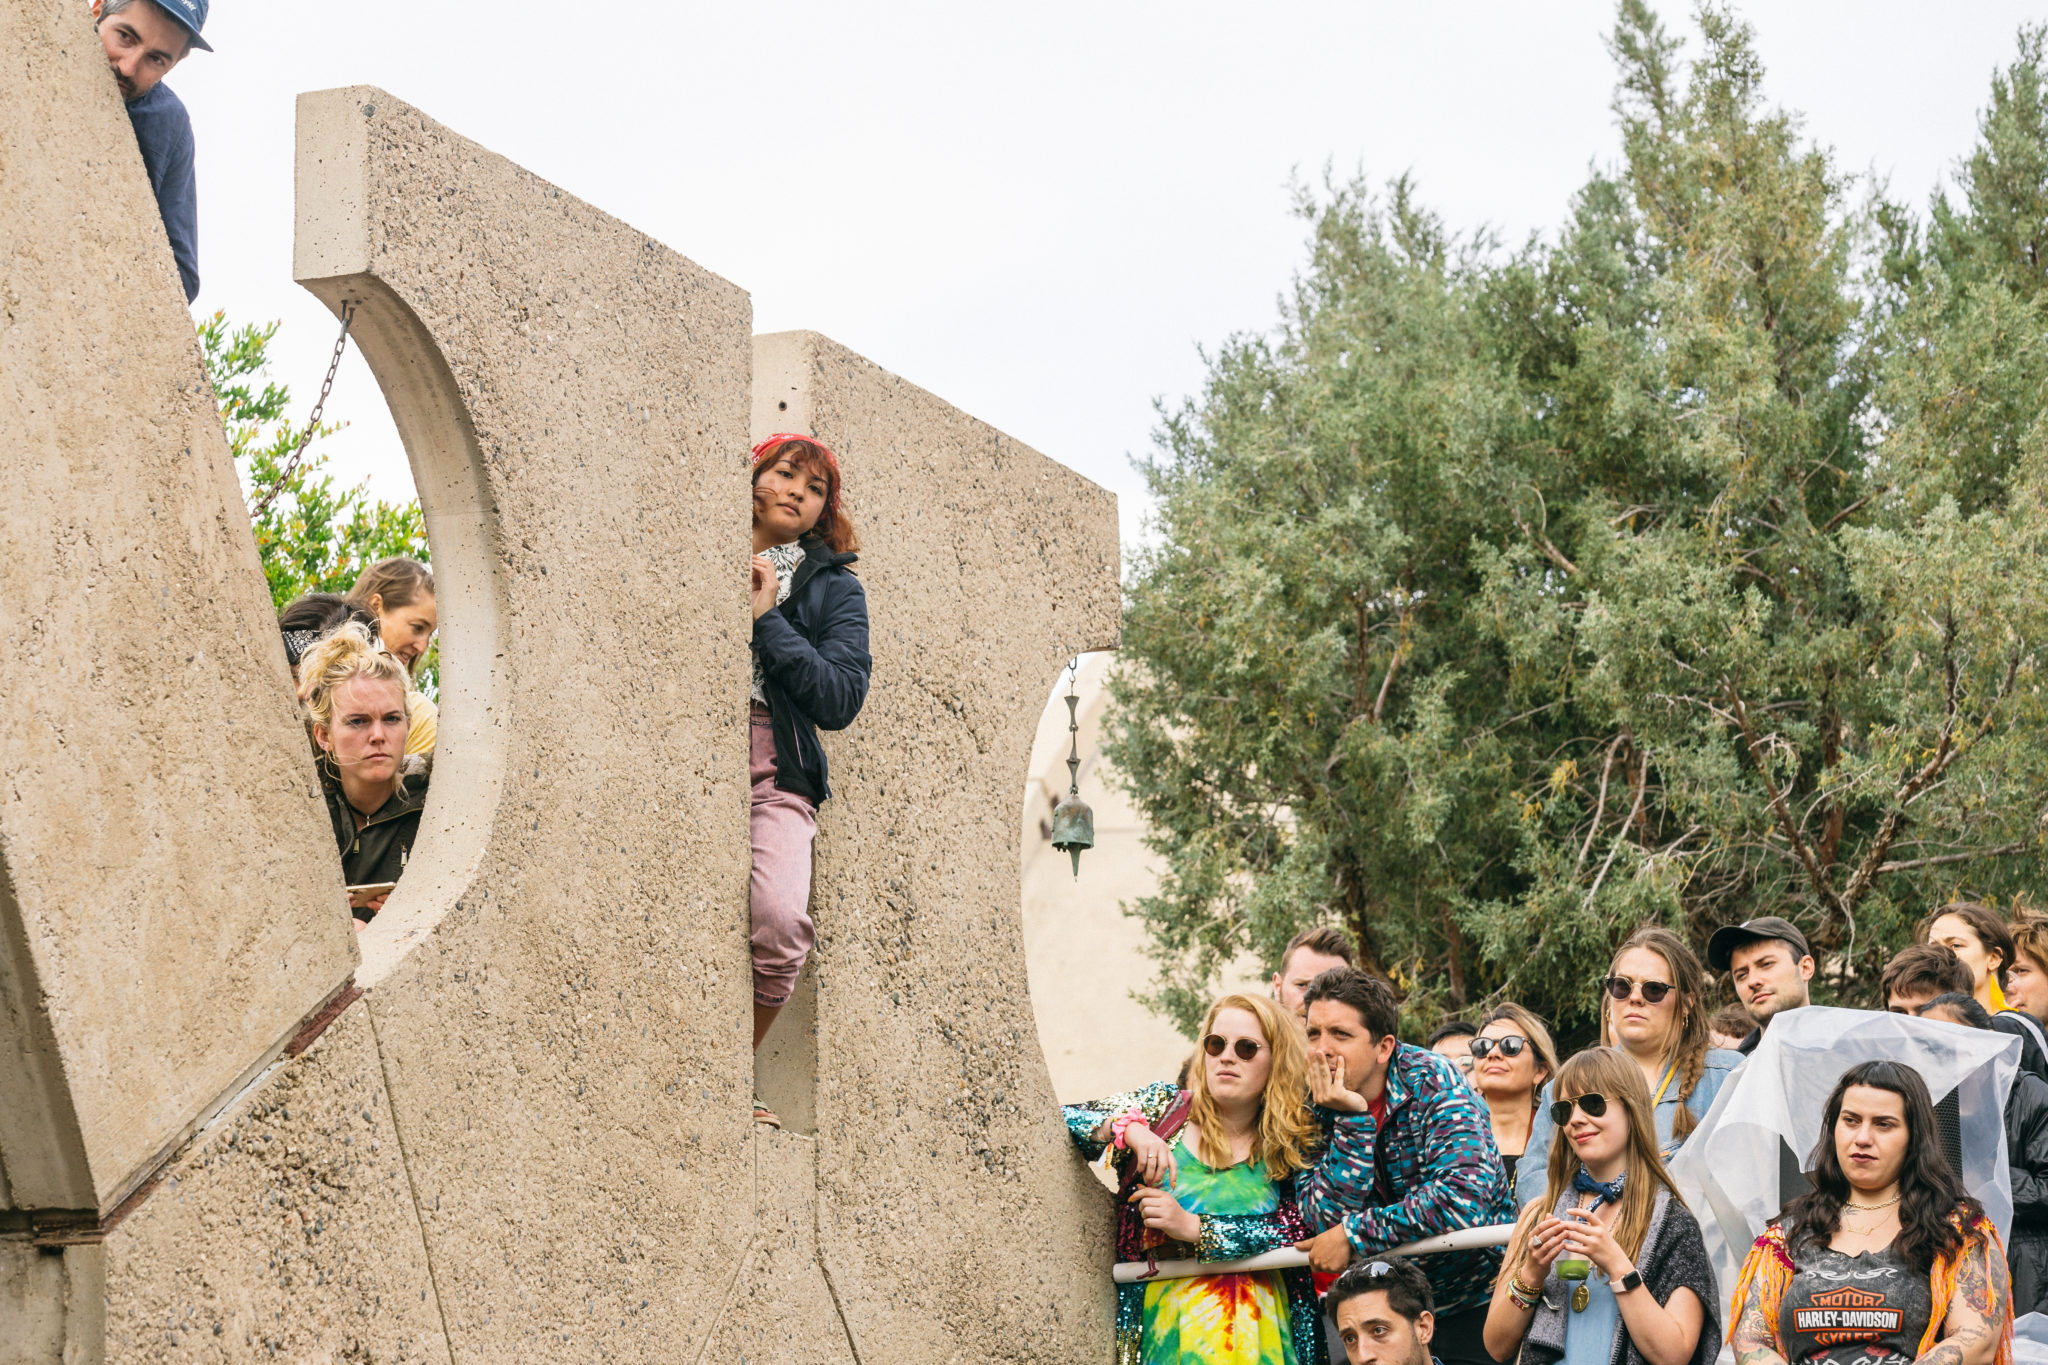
[1612,1269]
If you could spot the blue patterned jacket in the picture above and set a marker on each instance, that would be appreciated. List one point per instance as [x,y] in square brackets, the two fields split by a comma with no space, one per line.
[1434,1170]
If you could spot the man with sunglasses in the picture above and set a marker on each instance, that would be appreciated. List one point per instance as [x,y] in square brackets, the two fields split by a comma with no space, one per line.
[1769,964]
[1384,1313]
[1407,1153]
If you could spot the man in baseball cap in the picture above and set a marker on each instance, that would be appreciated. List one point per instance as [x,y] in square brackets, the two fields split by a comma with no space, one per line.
[1770,964]
[144,39]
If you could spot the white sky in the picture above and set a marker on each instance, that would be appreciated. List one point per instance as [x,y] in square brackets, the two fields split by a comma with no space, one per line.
[1038,212]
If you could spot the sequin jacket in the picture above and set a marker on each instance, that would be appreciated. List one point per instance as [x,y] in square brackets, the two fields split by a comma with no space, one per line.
[1434,1170]
[1224,1237]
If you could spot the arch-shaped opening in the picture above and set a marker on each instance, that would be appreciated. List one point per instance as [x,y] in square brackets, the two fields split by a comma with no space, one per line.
[447,466]
[1084,954]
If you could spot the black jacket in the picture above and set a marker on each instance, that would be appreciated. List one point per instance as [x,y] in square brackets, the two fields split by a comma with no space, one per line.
[814,665]
[2026,1153]
[378,851]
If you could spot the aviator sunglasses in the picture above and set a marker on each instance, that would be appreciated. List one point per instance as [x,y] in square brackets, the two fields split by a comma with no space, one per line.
[1510,1046]
[1593,1103]
[1245,1048]
[1653,991]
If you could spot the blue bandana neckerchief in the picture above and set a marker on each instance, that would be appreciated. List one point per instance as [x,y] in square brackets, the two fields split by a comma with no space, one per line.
[1603,1192]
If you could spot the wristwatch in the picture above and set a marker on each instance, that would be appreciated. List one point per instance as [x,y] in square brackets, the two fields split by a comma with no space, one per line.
[1632,1280]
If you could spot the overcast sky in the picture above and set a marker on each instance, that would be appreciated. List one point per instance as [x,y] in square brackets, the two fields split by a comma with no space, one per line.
[1038,212]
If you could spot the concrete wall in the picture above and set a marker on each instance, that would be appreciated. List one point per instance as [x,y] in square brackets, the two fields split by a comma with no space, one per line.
[169,890]
[528,1137]
[987,567]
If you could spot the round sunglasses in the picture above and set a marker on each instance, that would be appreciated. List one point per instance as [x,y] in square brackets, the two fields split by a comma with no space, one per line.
[1511,1046]
[1618,987]
[1592,1103]
[1245,1048]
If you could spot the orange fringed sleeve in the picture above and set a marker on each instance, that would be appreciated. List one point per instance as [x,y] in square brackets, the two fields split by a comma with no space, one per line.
[1767,1274]
[1982,1240]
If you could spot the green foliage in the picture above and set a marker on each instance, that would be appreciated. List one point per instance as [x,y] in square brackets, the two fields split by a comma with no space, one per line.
[312,537]
[1685,568]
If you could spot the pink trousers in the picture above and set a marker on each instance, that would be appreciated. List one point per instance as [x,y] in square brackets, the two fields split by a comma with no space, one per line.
[783,827]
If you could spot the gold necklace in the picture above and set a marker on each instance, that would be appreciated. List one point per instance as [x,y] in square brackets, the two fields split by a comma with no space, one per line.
[1874,1208]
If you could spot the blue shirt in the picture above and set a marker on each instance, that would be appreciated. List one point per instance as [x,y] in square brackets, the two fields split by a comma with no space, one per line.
[163,130]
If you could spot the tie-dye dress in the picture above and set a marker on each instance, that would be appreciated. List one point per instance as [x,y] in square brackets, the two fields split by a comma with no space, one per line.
[1214,1319]
[1268,1318]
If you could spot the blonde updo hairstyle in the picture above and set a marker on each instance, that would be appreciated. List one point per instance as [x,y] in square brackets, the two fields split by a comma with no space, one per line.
[349,653]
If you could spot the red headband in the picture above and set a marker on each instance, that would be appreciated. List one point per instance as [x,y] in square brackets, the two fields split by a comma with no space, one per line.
[831,462]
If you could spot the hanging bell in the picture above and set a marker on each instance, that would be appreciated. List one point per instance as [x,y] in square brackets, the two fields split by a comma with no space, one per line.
[1073,829]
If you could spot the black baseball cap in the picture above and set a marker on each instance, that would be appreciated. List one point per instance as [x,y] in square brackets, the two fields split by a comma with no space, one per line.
[1729,937]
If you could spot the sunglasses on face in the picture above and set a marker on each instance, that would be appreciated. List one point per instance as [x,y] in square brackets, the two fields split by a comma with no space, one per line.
[1510,1046]
[1653,991]
[1592,1104]
[1245,1048]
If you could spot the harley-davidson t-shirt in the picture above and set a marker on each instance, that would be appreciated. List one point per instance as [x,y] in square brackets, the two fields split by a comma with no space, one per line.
[1866,1309]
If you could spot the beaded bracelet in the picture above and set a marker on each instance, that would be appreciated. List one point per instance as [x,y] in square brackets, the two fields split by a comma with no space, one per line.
[1123,1121]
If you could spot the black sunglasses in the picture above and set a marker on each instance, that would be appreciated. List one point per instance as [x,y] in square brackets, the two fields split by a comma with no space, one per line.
[1593,1103]
[1653,991]
[1510,1046]
[1245,1048]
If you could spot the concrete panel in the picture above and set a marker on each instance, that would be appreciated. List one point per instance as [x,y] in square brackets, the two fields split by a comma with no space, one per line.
[955,1220]
[287,1231]
[560,985]
[779,1308]
[170,898]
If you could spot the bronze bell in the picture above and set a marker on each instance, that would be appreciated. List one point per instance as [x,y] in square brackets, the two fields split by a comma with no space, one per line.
[1073,824]
[1073,829]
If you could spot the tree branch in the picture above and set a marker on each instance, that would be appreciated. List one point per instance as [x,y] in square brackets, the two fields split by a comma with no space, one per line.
[1779,807]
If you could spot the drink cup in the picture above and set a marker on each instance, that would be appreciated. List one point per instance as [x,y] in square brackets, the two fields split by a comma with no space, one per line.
[1573,1268]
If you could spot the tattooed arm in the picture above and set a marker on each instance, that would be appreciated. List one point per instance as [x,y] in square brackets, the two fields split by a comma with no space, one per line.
[1754,1337]
[1980,1314]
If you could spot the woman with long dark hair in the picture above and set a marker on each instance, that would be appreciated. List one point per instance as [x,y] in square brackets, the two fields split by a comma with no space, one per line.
[1642,1291]
[1887,1260]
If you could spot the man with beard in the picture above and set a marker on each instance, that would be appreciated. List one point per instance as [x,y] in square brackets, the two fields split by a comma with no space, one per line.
[1384,1313]
[1770,964]
[144,39]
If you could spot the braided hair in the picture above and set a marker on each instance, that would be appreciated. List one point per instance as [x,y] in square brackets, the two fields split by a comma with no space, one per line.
[1686,1046]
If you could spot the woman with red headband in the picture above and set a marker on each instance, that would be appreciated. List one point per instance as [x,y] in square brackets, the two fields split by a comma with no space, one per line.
[811,671]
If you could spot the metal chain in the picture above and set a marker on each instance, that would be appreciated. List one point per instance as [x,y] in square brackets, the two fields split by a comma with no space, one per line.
[348,313]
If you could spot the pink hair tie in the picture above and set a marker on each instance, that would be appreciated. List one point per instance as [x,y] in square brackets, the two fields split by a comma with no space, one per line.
[1123,1121]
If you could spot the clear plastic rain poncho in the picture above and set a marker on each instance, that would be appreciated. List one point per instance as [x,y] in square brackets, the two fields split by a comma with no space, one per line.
[1730,1169]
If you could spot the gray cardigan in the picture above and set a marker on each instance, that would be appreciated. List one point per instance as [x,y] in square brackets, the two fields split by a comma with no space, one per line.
[1674,1257]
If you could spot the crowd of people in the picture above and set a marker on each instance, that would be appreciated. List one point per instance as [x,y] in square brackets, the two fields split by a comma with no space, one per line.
[1304,1121]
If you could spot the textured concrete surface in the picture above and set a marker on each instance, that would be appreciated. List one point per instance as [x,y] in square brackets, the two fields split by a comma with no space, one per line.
[529,1140]
[953,1214]
[562,1000]
[287,1231]
[170,903]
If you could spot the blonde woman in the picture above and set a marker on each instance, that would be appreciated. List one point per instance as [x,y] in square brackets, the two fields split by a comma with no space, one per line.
[399,593]
[1512,1061]
[1648,1295]
[1208,1173]
[355,698]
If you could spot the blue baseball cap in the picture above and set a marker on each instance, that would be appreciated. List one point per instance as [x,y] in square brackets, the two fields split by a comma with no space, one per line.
[191,16]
